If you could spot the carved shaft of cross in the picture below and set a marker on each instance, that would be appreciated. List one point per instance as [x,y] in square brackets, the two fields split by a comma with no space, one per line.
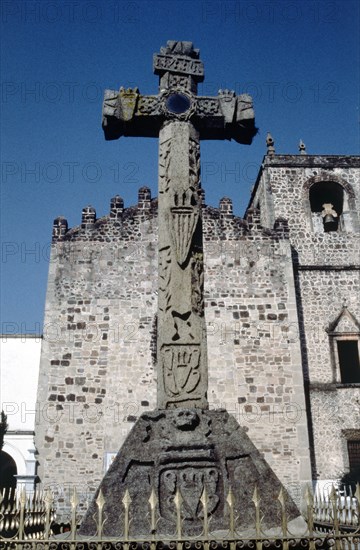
[182,362]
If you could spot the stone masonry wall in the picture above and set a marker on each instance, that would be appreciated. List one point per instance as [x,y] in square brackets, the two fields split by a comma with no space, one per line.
[282,191]
[97,371]
[255,361]
[327,269]
[335,407]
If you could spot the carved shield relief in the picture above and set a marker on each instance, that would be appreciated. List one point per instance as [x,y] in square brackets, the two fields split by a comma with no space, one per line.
[181,369]
[184,220]
[190,480]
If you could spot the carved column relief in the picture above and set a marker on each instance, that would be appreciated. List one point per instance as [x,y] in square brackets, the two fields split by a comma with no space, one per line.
[182,369]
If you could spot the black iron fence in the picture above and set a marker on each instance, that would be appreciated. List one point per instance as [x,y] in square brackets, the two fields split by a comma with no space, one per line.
[28,522]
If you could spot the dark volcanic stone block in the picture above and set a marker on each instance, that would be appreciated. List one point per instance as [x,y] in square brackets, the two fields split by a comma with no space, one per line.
[186,449]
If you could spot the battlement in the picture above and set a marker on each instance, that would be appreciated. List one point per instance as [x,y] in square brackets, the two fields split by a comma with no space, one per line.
[320,161]
[125,222]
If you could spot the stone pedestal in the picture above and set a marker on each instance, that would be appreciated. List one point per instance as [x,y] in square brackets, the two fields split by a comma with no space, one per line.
[186,449]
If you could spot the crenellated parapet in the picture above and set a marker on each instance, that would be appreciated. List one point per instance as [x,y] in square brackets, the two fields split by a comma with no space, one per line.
[128,222]
[120,220]
[88,218]
[60,228]
[116,208]
[253,219]
[144,199]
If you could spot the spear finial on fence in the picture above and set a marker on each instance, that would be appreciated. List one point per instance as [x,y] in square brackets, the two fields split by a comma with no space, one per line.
[153,503]
[335,517]
[49,499]
[256,501]
[309,499]
[126,502]
[100,501]
[22,502]
[74,501]
[204,502]
[178,501]
[231,502]
[282,500]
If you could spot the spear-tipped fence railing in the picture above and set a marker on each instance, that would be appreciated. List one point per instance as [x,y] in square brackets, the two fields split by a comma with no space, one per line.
[26,516]
[337,509]
[332,520]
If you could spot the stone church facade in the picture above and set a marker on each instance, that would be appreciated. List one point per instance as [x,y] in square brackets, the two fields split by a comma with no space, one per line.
[282,315]
[325,258]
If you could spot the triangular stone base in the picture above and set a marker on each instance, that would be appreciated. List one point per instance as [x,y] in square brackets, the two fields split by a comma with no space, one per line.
[185,449]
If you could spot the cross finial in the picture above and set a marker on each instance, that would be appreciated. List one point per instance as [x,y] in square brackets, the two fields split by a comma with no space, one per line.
[179,66]
[302,147]
[270,145]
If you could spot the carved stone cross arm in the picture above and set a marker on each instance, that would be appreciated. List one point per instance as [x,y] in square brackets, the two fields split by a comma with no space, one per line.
[226,116]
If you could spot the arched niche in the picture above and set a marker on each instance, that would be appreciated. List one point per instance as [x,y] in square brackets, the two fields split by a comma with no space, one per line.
[329,202]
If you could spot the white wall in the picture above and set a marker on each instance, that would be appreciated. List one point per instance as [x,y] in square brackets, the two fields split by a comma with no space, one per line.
[19,372]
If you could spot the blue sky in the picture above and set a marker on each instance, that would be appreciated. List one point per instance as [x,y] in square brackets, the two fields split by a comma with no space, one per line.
[299,61]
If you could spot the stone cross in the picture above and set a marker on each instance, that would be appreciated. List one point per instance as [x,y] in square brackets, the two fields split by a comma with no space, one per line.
[180,119]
